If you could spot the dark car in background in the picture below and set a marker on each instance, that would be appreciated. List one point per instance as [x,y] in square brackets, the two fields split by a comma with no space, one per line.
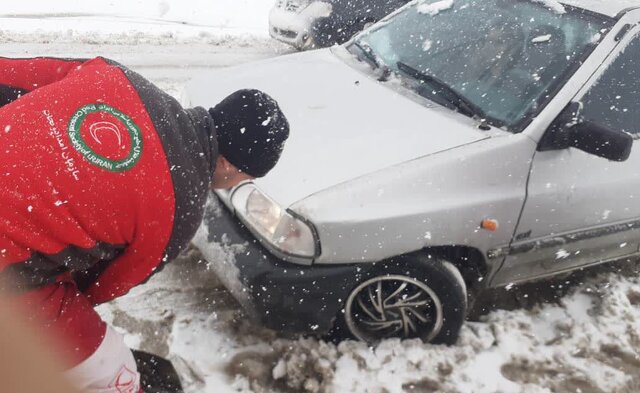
[308,24]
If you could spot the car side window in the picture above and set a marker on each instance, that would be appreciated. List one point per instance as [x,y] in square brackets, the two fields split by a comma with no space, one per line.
[614,101]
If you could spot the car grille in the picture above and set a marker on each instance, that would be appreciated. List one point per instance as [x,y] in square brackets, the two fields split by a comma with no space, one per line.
[289,5]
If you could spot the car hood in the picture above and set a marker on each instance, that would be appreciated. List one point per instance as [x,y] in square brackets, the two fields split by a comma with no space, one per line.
[344,123]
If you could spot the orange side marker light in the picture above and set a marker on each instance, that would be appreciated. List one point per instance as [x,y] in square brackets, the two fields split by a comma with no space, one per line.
[490,224]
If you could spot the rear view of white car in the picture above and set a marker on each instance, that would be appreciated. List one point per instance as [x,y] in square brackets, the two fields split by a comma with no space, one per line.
[292,21]
[308,24]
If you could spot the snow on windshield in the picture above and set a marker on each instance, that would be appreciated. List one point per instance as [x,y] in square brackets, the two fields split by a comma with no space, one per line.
[503,66]
[542,38]
[552,5]
[435,8]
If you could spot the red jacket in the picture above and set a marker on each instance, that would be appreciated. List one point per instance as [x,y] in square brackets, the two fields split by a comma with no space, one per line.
[101,173]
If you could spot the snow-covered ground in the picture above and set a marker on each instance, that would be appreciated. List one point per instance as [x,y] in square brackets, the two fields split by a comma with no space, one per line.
[583,337]
[585,341]
[196,20]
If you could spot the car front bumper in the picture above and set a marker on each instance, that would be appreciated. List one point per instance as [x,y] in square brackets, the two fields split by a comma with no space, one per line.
[294,27]
[283,296]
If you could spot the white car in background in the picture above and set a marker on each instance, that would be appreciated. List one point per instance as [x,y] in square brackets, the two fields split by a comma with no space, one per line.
[453,147]
[308,24]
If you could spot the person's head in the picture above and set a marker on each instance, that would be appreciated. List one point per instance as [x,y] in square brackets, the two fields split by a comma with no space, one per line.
[251,131]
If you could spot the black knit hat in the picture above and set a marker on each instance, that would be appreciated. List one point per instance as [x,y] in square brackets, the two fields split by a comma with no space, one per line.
[251,131]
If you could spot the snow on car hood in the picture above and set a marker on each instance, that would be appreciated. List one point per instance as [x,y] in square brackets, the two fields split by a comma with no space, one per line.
[344,124]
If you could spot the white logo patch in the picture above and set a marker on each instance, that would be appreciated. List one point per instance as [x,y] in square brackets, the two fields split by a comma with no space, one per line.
[105,126]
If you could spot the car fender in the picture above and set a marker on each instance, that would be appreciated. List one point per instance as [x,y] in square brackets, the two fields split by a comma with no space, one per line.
[438,200]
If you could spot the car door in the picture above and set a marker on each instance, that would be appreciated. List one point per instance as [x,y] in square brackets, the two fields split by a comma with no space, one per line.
[583,209]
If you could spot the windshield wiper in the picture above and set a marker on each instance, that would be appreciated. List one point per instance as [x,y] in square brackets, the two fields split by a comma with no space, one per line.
[462,103]
[375,61]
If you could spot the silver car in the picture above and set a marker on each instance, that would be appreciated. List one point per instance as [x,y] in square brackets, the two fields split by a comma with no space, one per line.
[452,147]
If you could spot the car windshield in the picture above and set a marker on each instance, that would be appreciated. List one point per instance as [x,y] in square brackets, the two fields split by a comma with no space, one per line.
[506,58]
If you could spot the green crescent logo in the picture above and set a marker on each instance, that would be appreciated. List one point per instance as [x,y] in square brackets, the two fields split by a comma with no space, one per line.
[78,142]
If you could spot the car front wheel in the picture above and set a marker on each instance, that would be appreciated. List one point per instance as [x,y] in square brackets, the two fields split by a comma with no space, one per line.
[423,298]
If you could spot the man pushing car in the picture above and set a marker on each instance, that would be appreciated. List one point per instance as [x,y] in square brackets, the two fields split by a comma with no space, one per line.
[103,178]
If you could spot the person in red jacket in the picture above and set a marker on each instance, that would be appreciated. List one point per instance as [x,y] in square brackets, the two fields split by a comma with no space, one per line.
[103,178]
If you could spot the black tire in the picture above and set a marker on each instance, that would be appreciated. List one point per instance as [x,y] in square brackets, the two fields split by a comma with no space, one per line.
[435,279]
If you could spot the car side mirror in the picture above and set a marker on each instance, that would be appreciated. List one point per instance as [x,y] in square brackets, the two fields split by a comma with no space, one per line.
[568,130]
[600,141]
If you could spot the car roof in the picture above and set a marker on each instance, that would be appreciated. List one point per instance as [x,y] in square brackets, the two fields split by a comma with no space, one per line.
[605,7]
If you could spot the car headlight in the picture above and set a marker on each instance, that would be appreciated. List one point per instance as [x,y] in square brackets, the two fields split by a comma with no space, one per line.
[274,224]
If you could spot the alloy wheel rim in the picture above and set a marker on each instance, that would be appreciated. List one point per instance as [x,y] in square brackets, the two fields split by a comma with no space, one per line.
[393,306]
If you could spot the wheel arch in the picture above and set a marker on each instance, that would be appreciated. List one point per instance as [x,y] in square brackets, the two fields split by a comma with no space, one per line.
[468,260]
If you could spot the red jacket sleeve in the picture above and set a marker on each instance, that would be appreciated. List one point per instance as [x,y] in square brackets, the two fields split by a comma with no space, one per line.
[20,76]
